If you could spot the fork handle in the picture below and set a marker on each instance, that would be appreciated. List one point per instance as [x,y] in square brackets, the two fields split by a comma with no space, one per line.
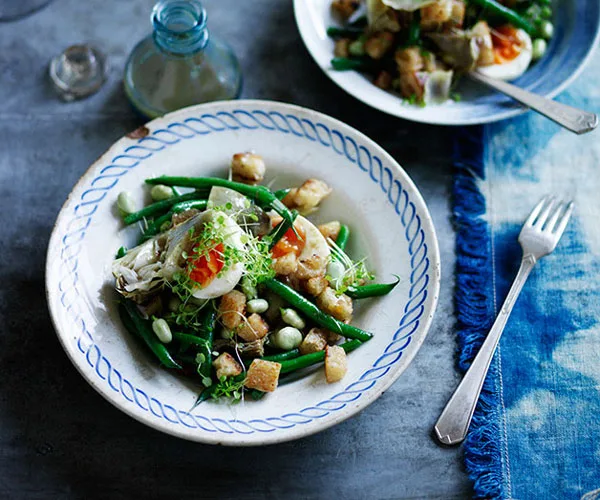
[453,424]
[573,119]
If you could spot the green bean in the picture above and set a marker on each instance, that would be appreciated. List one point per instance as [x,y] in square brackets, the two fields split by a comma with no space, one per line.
[155,226]
[126,320]
[510,15]
[282,356]
[260,194]
[342,238]
[414,31]
[314,357]
[361,22]
[351,64]
[159,207]
[373,290]
[349,32]
[313,312]
[189,339]
[142,328]
[255,394]
[208,322]
[207,331]
[280,194]
[121,252]
[189,360]
[279,231]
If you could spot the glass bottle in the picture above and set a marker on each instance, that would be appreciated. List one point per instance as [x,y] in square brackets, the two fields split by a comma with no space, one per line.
[179,64]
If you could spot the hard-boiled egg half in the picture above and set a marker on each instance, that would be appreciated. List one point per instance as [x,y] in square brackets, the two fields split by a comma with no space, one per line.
[512,53]
[306,242]
[207,273]
[315,243]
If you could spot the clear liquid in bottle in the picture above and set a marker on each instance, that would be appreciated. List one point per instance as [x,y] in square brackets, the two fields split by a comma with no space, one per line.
[179,65]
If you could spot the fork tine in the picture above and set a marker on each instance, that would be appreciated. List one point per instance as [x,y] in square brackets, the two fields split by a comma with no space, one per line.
[535,212]
[540,221]
[564,220]
[558,210]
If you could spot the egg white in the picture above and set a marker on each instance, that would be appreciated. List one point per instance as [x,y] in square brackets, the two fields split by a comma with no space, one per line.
[229,279]
[410,5]
[512,69]
[315,243]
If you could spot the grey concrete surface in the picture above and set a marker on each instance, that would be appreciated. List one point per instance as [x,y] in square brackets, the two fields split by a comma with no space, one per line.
[58,438]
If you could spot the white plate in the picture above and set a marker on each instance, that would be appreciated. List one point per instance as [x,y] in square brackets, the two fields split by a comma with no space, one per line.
[576,34]
[389,221]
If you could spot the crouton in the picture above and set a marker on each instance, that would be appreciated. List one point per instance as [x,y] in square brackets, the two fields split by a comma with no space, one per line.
[430,62]
[341,47]
[339,306]
[336,363]
[344,8]
[315,286]
[410,86]
[483,36]
[330,229]
[383,80]
[315,341]
[226,366]
[409,60]
[307,197]
[232,308]
[286,264]
[247,168]
[436,14]
[312,267]
[253,328]
[263,375]
[457,17]
[378,44]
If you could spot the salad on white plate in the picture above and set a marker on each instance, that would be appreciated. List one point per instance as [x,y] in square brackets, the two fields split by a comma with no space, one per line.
[419,48]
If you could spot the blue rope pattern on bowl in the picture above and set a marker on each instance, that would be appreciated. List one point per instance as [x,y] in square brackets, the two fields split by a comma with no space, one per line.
[206,124]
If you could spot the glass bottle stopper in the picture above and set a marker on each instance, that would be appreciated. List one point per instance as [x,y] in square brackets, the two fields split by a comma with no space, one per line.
[78,72]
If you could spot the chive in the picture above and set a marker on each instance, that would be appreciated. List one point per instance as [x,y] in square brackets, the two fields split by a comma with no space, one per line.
[372,290]
[335,32]
[351,64]
[159,207]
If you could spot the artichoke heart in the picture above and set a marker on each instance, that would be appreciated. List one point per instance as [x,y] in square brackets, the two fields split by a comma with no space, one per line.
[137,272]
[142,271]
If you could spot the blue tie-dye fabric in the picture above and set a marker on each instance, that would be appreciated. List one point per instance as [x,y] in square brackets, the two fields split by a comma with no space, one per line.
[536,431]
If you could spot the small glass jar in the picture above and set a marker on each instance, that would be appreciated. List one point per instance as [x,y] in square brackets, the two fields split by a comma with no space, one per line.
[179,64]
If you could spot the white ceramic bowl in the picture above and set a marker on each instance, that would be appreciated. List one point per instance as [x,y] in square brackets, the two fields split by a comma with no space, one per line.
[389,221]
[576,34]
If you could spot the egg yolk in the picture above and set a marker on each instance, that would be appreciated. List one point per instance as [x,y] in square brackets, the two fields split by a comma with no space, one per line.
[291,242]
[506,44]
[206,267]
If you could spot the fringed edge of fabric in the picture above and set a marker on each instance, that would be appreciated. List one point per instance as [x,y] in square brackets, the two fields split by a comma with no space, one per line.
[474,302]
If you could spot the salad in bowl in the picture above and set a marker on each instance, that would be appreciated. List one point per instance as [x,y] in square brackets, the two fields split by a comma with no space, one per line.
[232,285]
[418,48]
[407,58]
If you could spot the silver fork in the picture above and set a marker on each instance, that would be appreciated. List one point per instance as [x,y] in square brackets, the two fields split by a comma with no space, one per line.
[538,238]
